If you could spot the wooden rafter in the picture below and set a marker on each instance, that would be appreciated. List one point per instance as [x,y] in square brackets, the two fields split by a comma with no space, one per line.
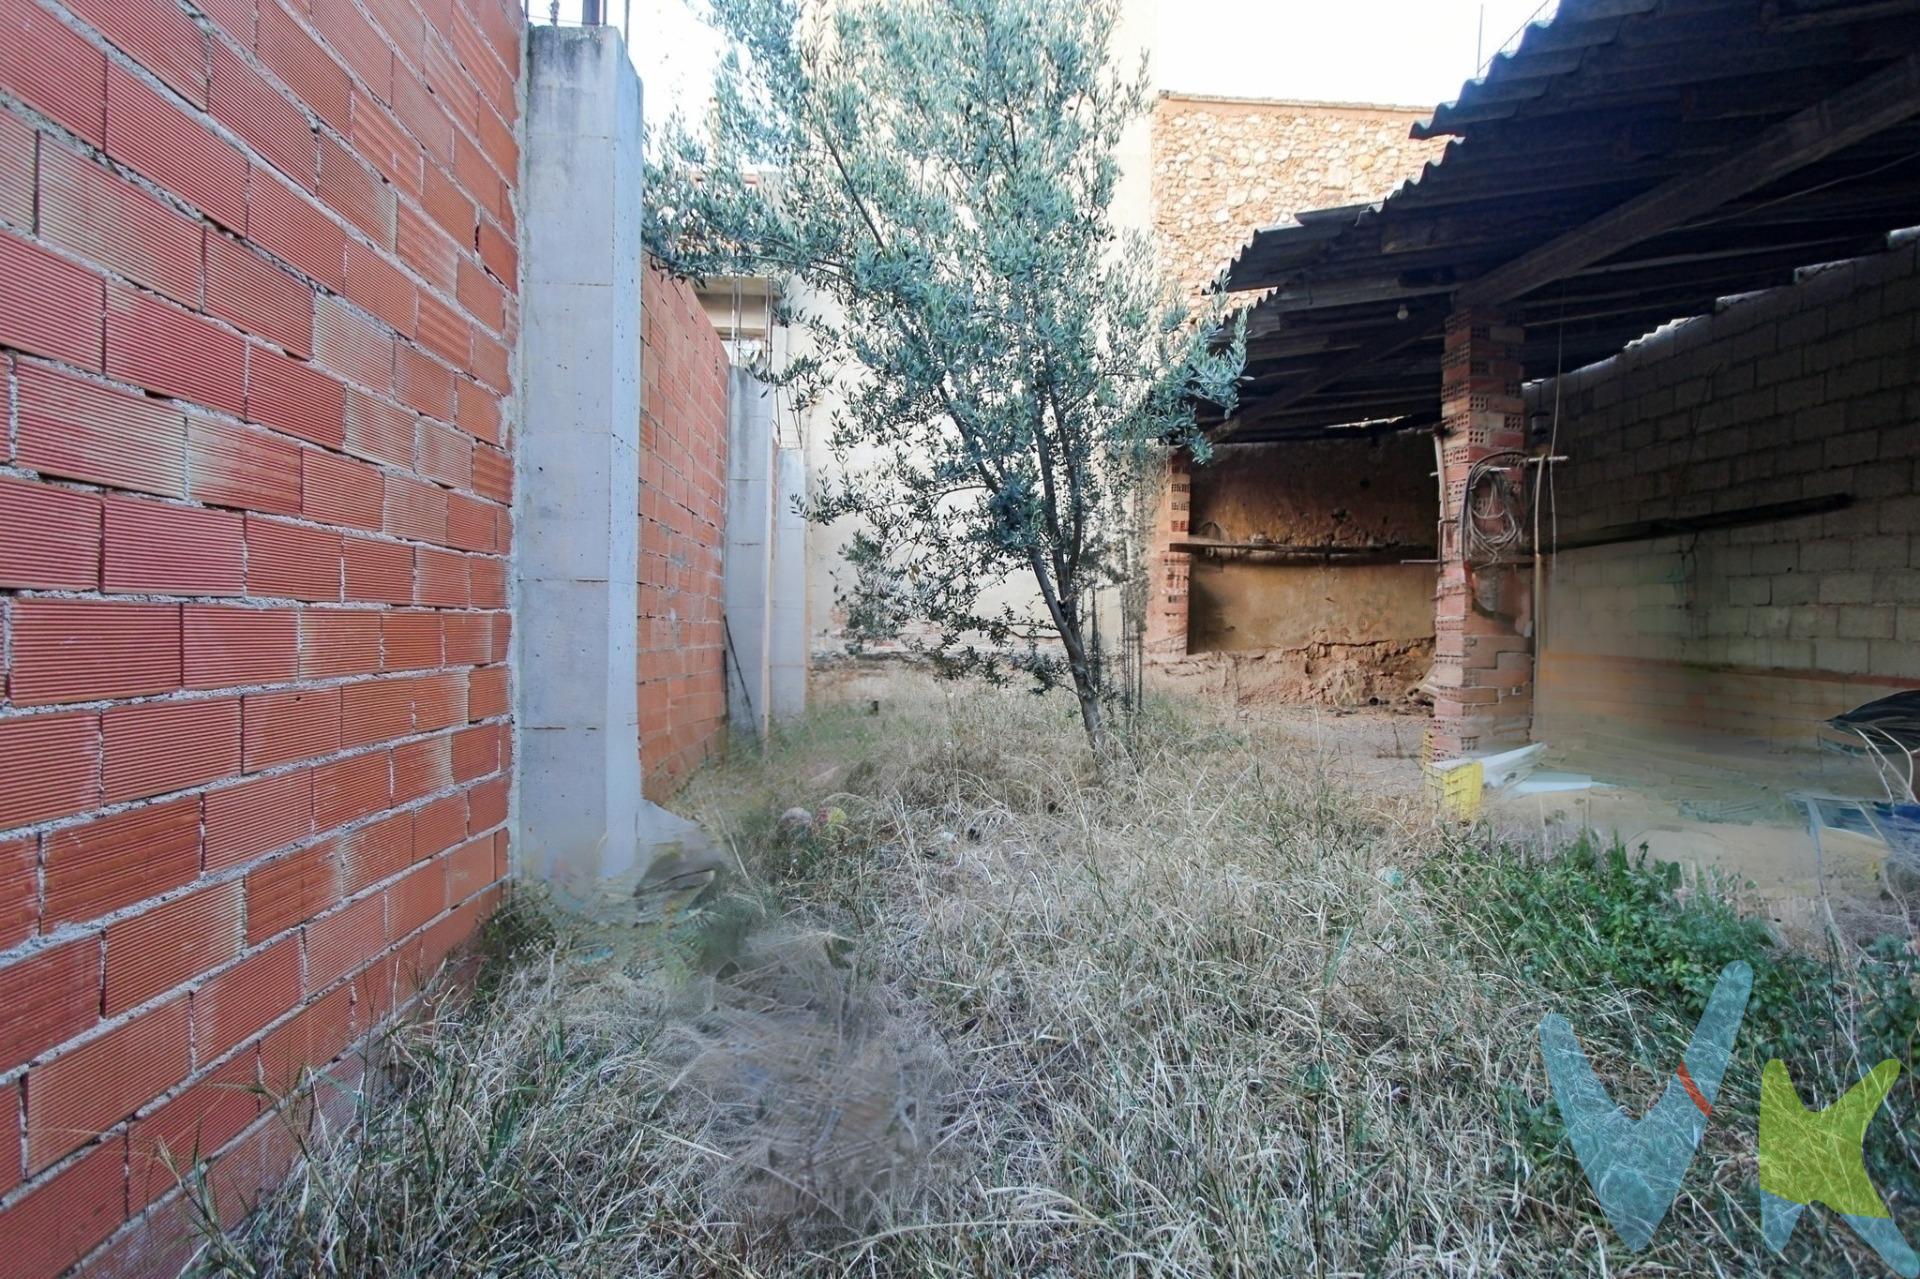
[1880,101]
[1599,247]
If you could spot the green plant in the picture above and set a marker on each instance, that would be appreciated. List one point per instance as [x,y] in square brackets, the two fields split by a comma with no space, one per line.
[1598,917]
[1190,1020]
[1887,1024]
[1594,919]
[934,183]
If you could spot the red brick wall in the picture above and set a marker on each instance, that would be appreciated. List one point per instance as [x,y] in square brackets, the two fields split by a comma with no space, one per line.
[683,487]
[256,304]
[1169,572]
[1482,675]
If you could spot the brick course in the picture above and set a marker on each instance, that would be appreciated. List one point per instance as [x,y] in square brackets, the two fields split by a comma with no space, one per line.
[1482,676]
[1169,572]
[683,460]
[257,294]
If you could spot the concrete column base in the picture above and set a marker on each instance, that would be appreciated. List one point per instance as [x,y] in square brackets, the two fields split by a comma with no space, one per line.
[752,489]
[584,825]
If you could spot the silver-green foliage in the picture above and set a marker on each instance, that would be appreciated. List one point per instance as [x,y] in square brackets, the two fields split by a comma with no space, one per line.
[934,180]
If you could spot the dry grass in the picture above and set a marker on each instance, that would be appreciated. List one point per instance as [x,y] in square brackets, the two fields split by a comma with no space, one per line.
[1209,1014]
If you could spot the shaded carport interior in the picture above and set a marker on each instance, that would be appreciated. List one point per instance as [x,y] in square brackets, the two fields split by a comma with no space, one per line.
[1629,164]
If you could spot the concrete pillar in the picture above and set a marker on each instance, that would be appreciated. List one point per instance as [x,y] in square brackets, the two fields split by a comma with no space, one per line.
[751,490]
[787,589]
[583,823]
[1169,570]
[1483,647]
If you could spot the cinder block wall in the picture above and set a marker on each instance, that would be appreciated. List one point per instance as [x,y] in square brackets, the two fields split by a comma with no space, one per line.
[257,298]
[683,502]
[1762,631]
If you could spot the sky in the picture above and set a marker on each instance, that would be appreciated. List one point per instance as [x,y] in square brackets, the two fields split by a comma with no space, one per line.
[1403,52]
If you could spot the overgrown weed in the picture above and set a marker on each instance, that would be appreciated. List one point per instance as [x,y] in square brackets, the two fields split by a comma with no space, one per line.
[1207,1012]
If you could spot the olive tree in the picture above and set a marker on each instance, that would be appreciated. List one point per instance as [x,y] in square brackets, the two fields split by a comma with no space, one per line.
[934,183]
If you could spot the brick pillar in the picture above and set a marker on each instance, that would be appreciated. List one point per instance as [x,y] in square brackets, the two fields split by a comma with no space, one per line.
[1168,569]
[1483,646]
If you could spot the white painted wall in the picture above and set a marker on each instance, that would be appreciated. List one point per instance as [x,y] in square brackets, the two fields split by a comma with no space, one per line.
[749,551]
[787,589]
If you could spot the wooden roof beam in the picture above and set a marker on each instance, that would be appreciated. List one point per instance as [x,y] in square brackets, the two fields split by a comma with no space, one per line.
[1882,100]
[1359,432]
[1878,102]
[1421,321]
[1792,16]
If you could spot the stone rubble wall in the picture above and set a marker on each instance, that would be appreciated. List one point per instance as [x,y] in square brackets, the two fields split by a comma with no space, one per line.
[1225,167]
[1222,169]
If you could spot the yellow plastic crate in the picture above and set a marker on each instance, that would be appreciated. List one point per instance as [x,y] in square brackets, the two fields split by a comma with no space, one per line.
[1459,789]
